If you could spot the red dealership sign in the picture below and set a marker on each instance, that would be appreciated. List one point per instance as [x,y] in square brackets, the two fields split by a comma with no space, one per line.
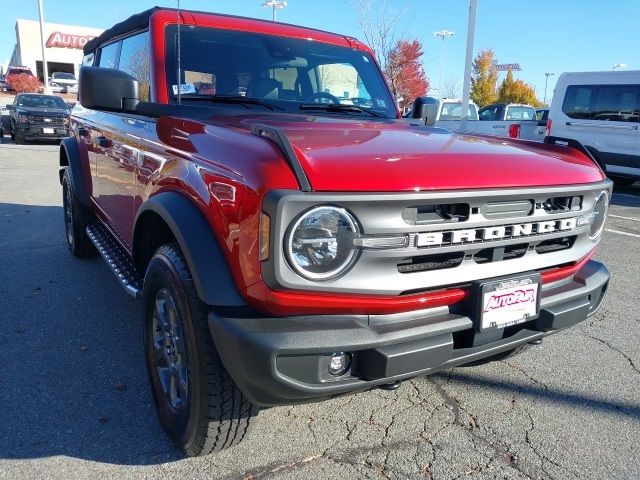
[66,40]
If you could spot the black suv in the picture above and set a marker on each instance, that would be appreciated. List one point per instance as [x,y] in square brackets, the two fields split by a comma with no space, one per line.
[39,117]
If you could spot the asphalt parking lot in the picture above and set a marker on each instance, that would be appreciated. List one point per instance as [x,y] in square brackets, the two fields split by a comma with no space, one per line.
[74,399]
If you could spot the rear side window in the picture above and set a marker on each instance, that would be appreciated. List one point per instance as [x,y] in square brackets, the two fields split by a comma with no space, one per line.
[108,56]
[619,103]
[134,60]
[488,113]
[521,113]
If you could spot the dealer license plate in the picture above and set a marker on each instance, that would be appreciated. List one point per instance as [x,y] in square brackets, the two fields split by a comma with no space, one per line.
[509,301]
[48,130]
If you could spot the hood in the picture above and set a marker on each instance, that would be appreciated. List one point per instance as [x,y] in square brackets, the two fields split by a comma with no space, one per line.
[391,156]
[64,80]
[42,111]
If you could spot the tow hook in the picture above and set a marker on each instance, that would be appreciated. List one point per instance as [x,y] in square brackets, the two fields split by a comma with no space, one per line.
[390,386]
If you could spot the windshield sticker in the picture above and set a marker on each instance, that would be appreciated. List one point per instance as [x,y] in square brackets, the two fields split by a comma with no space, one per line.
[184,88]
[381,103]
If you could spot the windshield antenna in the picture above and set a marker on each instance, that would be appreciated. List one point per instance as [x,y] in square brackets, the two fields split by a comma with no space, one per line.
[179,62]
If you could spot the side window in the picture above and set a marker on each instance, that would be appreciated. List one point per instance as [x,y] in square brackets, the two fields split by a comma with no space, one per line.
[108,56]
[577,101]
[488,113]
[87,60]
[134,60]
[618,103]
[520,113]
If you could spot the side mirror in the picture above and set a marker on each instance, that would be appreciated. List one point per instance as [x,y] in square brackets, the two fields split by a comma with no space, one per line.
[108,89]
[425,108]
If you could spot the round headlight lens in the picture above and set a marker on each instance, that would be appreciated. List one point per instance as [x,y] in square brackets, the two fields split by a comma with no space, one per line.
[319,244]
[600,209]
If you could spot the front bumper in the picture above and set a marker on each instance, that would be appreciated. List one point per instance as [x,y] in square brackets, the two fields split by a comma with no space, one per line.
[281,361]
[37,133]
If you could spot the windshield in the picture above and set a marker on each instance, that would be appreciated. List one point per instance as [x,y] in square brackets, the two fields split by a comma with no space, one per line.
[285,72]
[41,101]
[63,76]
[453,111]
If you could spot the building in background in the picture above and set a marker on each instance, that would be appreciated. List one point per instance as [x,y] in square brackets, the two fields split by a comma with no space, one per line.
[64,44]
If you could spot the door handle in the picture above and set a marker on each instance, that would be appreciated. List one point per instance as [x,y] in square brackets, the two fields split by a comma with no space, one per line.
[103,142]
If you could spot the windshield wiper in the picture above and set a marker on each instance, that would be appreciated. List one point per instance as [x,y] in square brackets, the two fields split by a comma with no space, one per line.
[339,107]
[232,99]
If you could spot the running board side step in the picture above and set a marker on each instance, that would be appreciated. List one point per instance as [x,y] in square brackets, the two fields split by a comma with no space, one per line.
[117,258]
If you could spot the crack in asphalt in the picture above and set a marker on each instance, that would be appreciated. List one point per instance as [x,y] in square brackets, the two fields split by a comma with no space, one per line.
[615,349]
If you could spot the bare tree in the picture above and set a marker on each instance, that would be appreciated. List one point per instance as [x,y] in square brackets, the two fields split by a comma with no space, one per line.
[451,88]
[379,24]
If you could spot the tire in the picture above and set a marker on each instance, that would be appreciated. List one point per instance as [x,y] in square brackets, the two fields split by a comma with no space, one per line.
[199,406]
[623,181]
[499,356]
[76,219]
[19,138]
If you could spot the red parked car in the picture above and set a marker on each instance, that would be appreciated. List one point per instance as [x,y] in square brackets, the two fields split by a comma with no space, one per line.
[290,246]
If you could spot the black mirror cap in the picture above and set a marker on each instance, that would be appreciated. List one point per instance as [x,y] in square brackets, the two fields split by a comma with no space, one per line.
[425,108]
[107,89]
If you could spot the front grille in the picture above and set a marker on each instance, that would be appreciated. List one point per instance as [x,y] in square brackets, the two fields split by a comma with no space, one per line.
[555,245]
[510,209]
[39,122]
[431,262]
[499,254]
[436,213]
[563,204]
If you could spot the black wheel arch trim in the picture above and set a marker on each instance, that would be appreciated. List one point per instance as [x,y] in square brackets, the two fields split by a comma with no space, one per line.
[206,260]
[69,148]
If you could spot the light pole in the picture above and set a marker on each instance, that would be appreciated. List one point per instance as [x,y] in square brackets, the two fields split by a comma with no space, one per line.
[466,86]
[45,70]
[274,4]
[442,34]
[619,65]
[545,86]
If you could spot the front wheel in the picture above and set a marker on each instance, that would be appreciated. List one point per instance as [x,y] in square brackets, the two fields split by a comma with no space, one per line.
[77,217]
[200,407]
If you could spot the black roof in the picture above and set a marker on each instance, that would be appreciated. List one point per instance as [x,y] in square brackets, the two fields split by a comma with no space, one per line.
[135,22]
[140,21]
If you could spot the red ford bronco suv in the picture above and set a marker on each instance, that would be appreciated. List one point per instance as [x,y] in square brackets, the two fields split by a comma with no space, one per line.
[291,244]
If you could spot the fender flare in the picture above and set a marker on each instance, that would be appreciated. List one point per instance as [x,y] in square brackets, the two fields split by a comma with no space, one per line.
[206,260]
[70,148]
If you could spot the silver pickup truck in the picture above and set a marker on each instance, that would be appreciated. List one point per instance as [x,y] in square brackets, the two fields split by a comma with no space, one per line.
[502,120]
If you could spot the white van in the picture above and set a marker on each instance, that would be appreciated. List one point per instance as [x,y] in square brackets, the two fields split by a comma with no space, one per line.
[601,110]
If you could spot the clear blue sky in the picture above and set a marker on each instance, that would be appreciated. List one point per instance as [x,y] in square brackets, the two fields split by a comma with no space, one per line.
[542,35]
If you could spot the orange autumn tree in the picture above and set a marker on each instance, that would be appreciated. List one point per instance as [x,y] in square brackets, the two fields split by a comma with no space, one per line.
[404,72]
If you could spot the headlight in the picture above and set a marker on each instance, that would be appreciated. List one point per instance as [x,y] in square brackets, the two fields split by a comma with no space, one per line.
[600,209]
[319,244]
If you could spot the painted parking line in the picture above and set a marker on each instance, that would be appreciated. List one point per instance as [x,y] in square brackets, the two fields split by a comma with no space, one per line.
[625,218]
[622,233]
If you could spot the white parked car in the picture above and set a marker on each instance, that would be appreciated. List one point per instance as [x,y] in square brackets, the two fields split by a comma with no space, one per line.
[601,110]
[63,82]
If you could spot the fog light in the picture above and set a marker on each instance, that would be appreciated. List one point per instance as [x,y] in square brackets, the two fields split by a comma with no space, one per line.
[339,363]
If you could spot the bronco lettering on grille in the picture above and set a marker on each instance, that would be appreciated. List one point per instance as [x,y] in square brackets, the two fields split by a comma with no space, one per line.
[429,239]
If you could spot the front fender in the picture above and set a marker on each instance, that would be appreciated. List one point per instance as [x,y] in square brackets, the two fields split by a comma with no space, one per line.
[207,263]
[81,177]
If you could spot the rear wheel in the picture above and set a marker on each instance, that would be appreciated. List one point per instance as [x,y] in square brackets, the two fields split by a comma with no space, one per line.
[199,406]
[76,219]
